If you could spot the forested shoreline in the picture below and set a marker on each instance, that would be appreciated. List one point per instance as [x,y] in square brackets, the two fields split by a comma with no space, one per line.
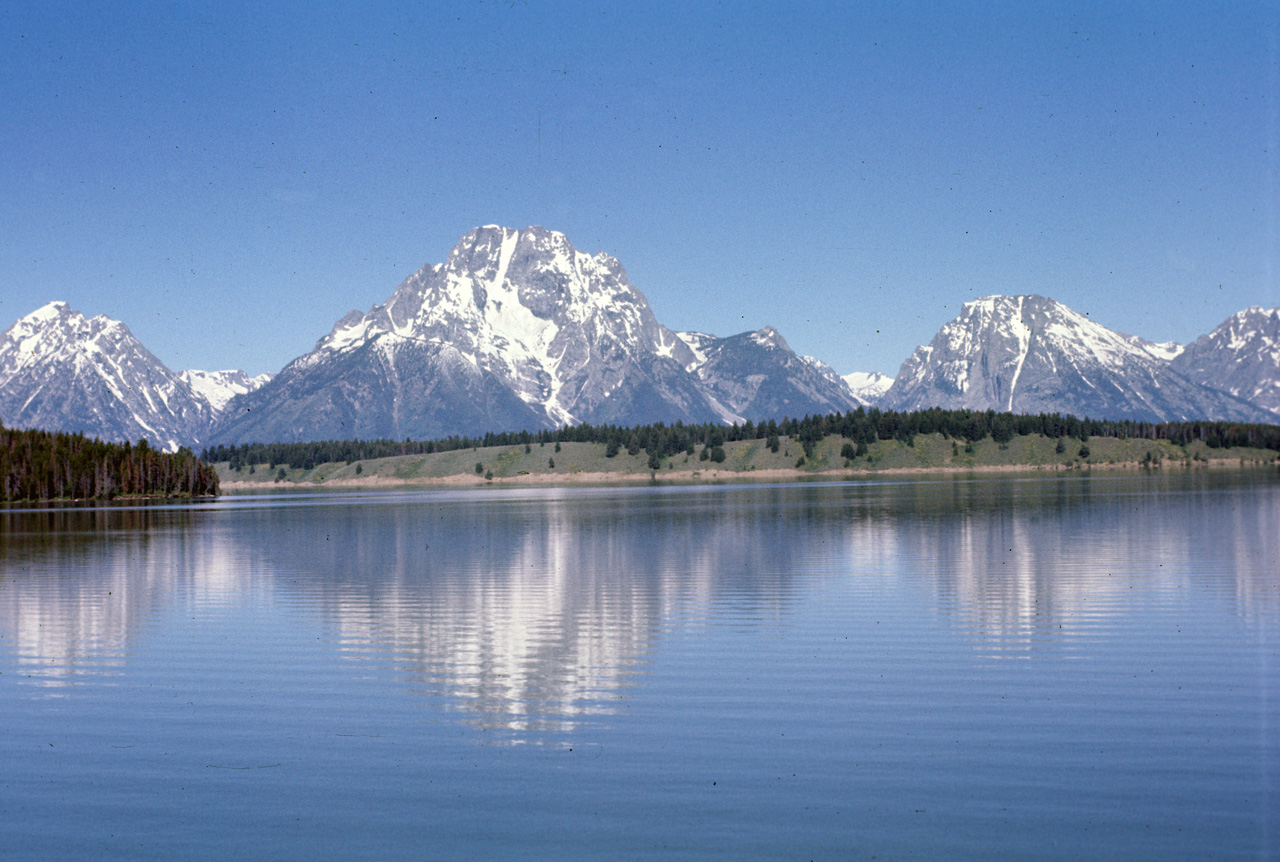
[45,465]
[861,427]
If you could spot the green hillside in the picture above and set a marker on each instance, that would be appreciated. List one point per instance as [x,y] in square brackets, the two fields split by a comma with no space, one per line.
[567,462]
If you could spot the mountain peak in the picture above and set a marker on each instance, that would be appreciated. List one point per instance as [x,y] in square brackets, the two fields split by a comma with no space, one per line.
[49,314]
[60,370]
[50,311]
[39,334]
[757,375]
[767,336]
[1032,354]
[552,335]
[1241,356]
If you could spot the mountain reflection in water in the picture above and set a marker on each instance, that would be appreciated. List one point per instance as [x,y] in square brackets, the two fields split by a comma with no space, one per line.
[530,611]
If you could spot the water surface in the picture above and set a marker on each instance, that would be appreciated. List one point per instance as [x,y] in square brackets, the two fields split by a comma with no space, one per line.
[1004,668]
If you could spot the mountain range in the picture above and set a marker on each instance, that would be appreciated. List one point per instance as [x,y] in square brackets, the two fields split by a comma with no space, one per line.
[1029,354]
[517,329]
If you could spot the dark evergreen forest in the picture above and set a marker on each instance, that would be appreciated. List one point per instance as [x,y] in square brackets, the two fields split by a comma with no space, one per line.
[861,427]
[45,465]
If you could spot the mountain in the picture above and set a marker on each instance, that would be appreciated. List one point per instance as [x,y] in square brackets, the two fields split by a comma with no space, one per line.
[62,371]
[868,388]
[517,329]
[1241,357]
[216,388]
[1029,354]
[757,375]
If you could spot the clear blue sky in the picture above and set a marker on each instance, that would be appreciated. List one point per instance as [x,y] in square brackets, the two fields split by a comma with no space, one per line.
[230,179]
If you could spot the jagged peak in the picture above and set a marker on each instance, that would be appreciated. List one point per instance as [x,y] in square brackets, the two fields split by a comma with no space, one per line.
[536,235]
[1254,329]
[500,232]
[1252,316]
[59,315]
[1009,304]
[488,244]
[1166,350]
[767,336]
[48,313]
[50,309]
[867,387]
[59,369]
[43,332]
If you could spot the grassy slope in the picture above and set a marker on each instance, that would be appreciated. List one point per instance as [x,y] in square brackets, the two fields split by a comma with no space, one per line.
[930,451]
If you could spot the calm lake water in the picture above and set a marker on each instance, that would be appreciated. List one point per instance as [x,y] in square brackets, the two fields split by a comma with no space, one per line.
[1048,668]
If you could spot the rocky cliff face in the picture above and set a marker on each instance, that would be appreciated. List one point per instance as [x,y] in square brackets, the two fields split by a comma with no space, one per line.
[1029,354]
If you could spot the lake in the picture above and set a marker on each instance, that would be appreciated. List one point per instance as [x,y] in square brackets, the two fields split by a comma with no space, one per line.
[1072,667]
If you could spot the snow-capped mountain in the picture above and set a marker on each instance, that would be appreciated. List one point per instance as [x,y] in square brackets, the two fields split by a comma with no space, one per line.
[757,375]
[60,370]
[868,388]
[1029,354]
[517,329]
[216,388]
[1241,356]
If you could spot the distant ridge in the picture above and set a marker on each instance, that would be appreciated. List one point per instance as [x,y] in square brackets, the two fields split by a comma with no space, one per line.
[870,388]
[517,329]
[216,388]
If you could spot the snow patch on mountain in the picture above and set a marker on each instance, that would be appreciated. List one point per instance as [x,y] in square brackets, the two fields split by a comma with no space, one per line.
[217,388]
[1165,351]
[698,343]
[868,387]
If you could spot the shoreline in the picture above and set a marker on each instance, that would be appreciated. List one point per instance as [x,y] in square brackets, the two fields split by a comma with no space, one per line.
[116,498]
[720,476]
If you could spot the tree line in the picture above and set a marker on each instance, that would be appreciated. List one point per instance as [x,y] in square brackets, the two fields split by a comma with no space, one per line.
[46,465]
[861,427]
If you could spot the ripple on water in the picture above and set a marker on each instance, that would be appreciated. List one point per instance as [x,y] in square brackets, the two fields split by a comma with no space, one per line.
[1052,669]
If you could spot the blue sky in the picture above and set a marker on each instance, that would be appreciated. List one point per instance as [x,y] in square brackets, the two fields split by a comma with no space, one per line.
[230,179]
